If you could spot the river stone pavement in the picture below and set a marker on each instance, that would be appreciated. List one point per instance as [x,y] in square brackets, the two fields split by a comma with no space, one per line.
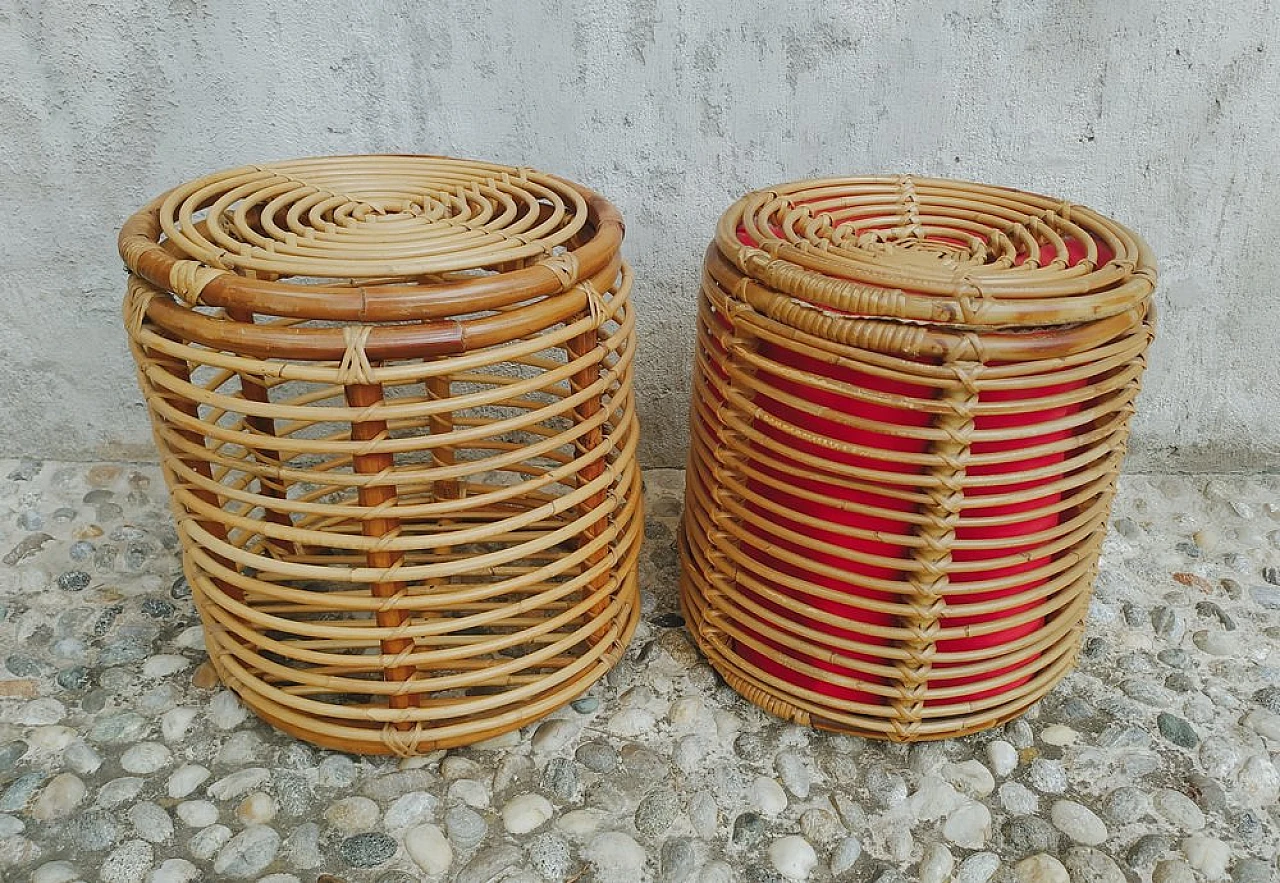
[121,759]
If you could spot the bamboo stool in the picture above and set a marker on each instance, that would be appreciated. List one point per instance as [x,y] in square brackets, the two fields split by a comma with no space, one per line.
[911,402]
[392,398]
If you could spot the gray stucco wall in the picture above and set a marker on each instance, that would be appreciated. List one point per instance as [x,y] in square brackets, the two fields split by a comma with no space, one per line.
[1163,114]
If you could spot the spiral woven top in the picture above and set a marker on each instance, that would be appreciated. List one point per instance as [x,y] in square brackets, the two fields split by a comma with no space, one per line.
[931,250]
[379,222]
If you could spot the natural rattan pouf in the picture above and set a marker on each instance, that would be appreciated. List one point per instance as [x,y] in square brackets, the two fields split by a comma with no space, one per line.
[392,397]
[911,401]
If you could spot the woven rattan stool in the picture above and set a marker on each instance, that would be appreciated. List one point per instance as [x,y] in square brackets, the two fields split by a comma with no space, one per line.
[911,402]
[392,397]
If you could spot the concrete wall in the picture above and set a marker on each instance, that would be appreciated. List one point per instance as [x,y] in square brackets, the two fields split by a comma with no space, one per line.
[1163,113]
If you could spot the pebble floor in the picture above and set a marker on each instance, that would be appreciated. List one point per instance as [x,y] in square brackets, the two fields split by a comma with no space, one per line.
[122,760]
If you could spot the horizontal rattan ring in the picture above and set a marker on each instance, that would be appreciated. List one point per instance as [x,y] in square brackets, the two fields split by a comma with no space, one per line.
[839,244]
[148,248]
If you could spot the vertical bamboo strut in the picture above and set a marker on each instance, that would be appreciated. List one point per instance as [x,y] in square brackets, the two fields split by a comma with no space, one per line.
[929,584]
[373,497]
[440,388]
[255,390]
[182,371]
[581,347]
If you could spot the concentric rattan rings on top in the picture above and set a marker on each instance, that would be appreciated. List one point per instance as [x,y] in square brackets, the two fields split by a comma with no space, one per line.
[392,396]
[911,402]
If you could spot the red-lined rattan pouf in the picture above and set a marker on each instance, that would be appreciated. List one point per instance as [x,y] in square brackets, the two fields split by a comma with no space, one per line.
[392,397]
[911,402]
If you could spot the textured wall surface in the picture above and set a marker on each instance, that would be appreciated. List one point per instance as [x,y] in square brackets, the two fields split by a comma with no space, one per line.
[1163,114]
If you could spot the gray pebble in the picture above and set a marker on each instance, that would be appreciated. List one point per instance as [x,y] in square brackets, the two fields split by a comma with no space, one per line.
[367,850]
[678,861]
[1252,870]
[656,812]
[1088,865]
[748,829]
[845,855]
[1268,698]
[93,831]
[1029,835]
[465,826]
[1177,730]
[560,778]
[127,863]
[597,755]
[1146,850]
[551,857]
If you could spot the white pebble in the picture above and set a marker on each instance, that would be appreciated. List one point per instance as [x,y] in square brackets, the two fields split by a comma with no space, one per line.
[550,737]
[119,791]
[191,638]
[186,779]
[337,771]
[1059,736]
[176,723]
[59,798]
[206,842]
[1078,822]
[457,767]
[934,799]
[175,870]
[55,872]
[969,826]
[978,868]
[615,856]
[1019,799]
[38,712]
[794,773]
[1258,782]
[248,853]
[1208,855]
[353,814]
[845,855]
[526,812]
[51,738]
[1002,757]
[767,796]
[471,792]
[793,857]
[410,809]
[1041,869]
[1264,723]
[164,665]
[632,722]
[969,777]
[82,757]
[937,864]
[225,711]
[580,823]
[145,758]
[197,813]
[238,783]
[259,808]
[429,849]
[1179,809]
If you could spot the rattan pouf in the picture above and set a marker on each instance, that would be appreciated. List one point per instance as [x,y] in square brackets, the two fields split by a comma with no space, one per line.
[392,397]
[911,402]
